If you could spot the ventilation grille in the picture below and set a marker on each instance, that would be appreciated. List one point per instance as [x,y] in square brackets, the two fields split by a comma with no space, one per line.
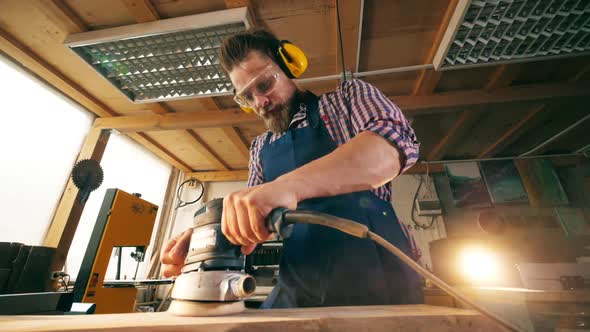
[159,65]
[509,31]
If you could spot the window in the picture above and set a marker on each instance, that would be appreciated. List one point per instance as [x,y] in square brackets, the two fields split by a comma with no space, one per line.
[42,132]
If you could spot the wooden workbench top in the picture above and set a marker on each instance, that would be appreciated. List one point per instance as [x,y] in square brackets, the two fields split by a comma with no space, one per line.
[369,318]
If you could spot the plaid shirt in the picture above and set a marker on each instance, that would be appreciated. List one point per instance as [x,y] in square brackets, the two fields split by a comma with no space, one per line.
[354,107]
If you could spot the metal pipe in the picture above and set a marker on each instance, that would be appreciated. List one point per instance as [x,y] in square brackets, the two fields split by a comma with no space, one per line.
[556,136]
[500,158]
[358,47]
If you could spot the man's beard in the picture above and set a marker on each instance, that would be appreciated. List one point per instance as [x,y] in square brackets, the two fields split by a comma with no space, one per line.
[279,120]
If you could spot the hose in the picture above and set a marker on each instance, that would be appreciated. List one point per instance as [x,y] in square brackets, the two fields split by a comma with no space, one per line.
[280,221]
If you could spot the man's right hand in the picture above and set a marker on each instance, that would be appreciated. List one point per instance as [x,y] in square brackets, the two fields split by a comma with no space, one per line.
[174,253]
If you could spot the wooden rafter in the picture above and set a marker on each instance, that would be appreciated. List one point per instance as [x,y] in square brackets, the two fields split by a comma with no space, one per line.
[142,10]
[510,133]
[240,175]
[236,139]
[460,126]
[176,121]
[409,104]
[531,92]
[428,78]
[501,77]
[580,74]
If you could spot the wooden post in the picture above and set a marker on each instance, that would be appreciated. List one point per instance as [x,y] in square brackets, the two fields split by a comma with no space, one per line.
[67,214]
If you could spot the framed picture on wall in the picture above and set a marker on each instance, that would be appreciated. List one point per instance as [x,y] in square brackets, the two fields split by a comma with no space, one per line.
[467,186]
[503,181]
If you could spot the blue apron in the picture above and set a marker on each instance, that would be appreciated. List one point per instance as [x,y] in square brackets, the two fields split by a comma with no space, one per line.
[322,266]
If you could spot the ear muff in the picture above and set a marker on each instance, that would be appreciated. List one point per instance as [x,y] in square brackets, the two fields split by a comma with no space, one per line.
[291,59]
[247,109]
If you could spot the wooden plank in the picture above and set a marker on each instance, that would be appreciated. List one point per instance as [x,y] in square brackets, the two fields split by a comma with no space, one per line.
[410,105]
[206,151]
[425,104]
[159,150]
[69,209]
[58,11]
[581,73]
[428,78]
[241,175]
[489,150]
[237,141]
[459,128]
[502,76]
[175,121]
[142,10]
[418,318]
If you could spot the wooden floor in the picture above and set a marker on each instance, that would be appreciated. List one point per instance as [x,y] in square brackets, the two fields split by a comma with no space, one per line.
[370,318]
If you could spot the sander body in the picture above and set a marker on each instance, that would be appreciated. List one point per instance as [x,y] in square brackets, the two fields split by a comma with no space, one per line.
[212,281]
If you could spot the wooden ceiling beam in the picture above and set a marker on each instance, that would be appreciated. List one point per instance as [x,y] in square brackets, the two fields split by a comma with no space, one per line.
[411,105]
[510,133]
[502,77]
[459,128]
[239,175]
[427,104]
[142,10]
[428,78]
[236,139]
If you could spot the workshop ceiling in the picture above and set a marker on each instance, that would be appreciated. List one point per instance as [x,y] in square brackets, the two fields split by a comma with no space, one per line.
[492,110]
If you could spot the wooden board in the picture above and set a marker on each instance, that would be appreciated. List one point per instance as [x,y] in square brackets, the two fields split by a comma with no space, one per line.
[371,318]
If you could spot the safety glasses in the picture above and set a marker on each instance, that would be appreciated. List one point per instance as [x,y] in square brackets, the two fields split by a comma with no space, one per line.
[261,85]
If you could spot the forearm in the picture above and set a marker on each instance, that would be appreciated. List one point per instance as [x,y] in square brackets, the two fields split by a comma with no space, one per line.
[365,162]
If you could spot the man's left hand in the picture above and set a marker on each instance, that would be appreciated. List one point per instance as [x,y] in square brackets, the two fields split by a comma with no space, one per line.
[245,211]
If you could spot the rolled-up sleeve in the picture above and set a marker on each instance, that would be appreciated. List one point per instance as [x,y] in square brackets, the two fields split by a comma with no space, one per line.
[255,175]
[370,110]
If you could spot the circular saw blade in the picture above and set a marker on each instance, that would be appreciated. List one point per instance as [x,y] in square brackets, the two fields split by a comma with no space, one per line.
[87,174]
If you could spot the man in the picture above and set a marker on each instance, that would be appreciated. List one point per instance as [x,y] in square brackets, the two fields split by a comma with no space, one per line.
[336,154]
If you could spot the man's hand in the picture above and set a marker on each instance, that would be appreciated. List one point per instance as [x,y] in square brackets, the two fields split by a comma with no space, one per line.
[244,212]
[174,253]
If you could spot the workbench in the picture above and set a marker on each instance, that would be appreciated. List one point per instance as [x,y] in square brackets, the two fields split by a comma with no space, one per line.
[370,318]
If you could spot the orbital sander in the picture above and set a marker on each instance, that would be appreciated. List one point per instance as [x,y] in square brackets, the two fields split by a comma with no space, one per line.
[213,282]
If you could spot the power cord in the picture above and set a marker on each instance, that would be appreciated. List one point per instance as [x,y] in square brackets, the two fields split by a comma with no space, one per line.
[280,219]
[412,213]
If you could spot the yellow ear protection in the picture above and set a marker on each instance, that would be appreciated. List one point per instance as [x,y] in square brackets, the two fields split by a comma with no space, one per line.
[290,59]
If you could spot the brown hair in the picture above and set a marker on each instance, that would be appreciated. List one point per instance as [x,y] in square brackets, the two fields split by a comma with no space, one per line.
[235,48]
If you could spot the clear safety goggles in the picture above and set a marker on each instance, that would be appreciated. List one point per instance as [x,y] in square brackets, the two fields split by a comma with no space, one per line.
[261,85]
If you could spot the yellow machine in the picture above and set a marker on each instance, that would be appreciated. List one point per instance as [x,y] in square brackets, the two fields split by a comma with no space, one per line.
[124,220]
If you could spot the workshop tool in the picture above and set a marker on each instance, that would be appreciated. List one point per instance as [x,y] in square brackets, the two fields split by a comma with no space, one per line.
[212,283]
[124,220]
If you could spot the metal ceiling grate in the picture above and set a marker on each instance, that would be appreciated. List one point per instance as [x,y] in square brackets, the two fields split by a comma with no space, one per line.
[163,60]
[493,32]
